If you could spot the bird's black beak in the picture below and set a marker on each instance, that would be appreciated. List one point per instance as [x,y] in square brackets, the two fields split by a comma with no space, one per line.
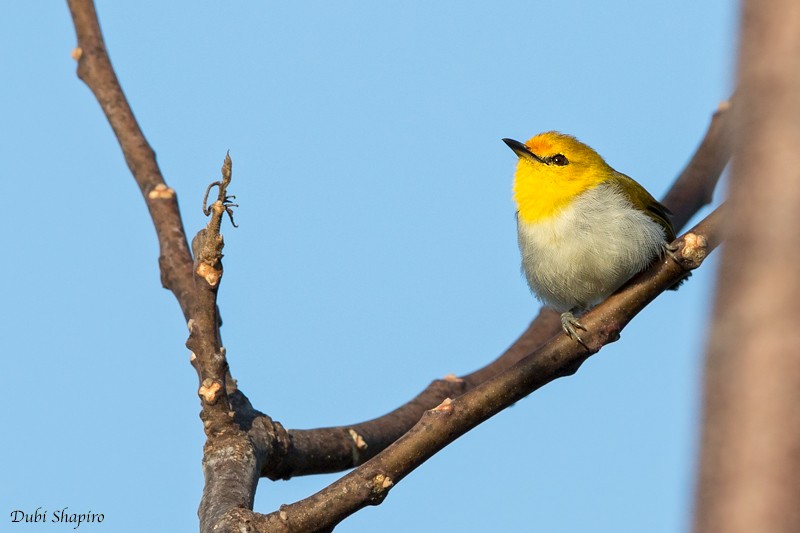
[522,151]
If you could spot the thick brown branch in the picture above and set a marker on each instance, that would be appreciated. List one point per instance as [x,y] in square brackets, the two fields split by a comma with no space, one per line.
[232,455]
[337,448]
[94,68]
[370,483]
[232,462]
[236,444]
[243,442]
[194,285]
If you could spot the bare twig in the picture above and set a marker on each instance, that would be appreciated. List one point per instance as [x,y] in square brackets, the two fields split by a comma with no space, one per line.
[223,198]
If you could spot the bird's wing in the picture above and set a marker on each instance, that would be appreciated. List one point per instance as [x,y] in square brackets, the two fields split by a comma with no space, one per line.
[642,199]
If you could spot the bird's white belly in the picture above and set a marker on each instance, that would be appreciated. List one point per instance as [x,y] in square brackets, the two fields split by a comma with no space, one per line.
[587,251]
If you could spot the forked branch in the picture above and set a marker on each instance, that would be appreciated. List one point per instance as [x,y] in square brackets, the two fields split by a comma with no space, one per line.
[244,443]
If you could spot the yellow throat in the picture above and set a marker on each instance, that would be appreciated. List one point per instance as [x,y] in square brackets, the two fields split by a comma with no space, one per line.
[553,169]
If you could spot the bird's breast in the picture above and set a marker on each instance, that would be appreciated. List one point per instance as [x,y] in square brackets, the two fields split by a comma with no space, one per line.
[588,249]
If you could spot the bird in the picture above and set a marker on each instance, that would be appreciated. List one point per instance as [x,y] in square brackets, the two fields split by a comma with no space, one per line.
[583,228]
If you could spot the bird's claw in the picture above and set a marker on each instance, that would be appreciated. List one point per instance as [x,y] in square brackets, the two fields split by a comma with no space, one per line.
[670,249]
[570,325]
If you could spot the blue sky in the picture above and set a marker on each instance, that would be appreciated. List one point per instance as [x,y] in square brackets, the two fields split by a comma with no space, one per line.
[376,249]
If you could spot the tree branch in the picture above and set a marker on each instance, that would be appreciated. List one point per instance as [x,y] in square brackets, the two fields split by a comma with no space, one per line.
[337,448]
[94,68]
[561,356]
[242,442]
[230,463]
[694,187]
[235,446]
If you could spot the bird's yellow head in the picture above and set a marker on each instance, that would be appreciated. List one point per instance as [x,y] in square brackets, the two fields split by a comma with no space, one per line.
[553,168]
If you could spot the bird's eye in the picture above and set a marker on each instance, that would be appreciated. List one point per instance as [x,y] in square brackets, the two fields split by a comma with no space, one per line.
[559,159]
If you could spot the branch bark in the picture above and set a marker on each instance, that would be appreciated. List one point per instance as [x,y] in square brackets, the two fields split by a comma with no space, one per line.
[95,70]
[438,427]
[749,478]
[244,443]
[337,448]
[194,282]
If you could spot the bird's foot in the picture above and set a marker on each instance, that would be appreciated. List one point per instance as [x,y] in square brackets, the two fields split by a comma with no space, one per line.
[669,250]
[570,325]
